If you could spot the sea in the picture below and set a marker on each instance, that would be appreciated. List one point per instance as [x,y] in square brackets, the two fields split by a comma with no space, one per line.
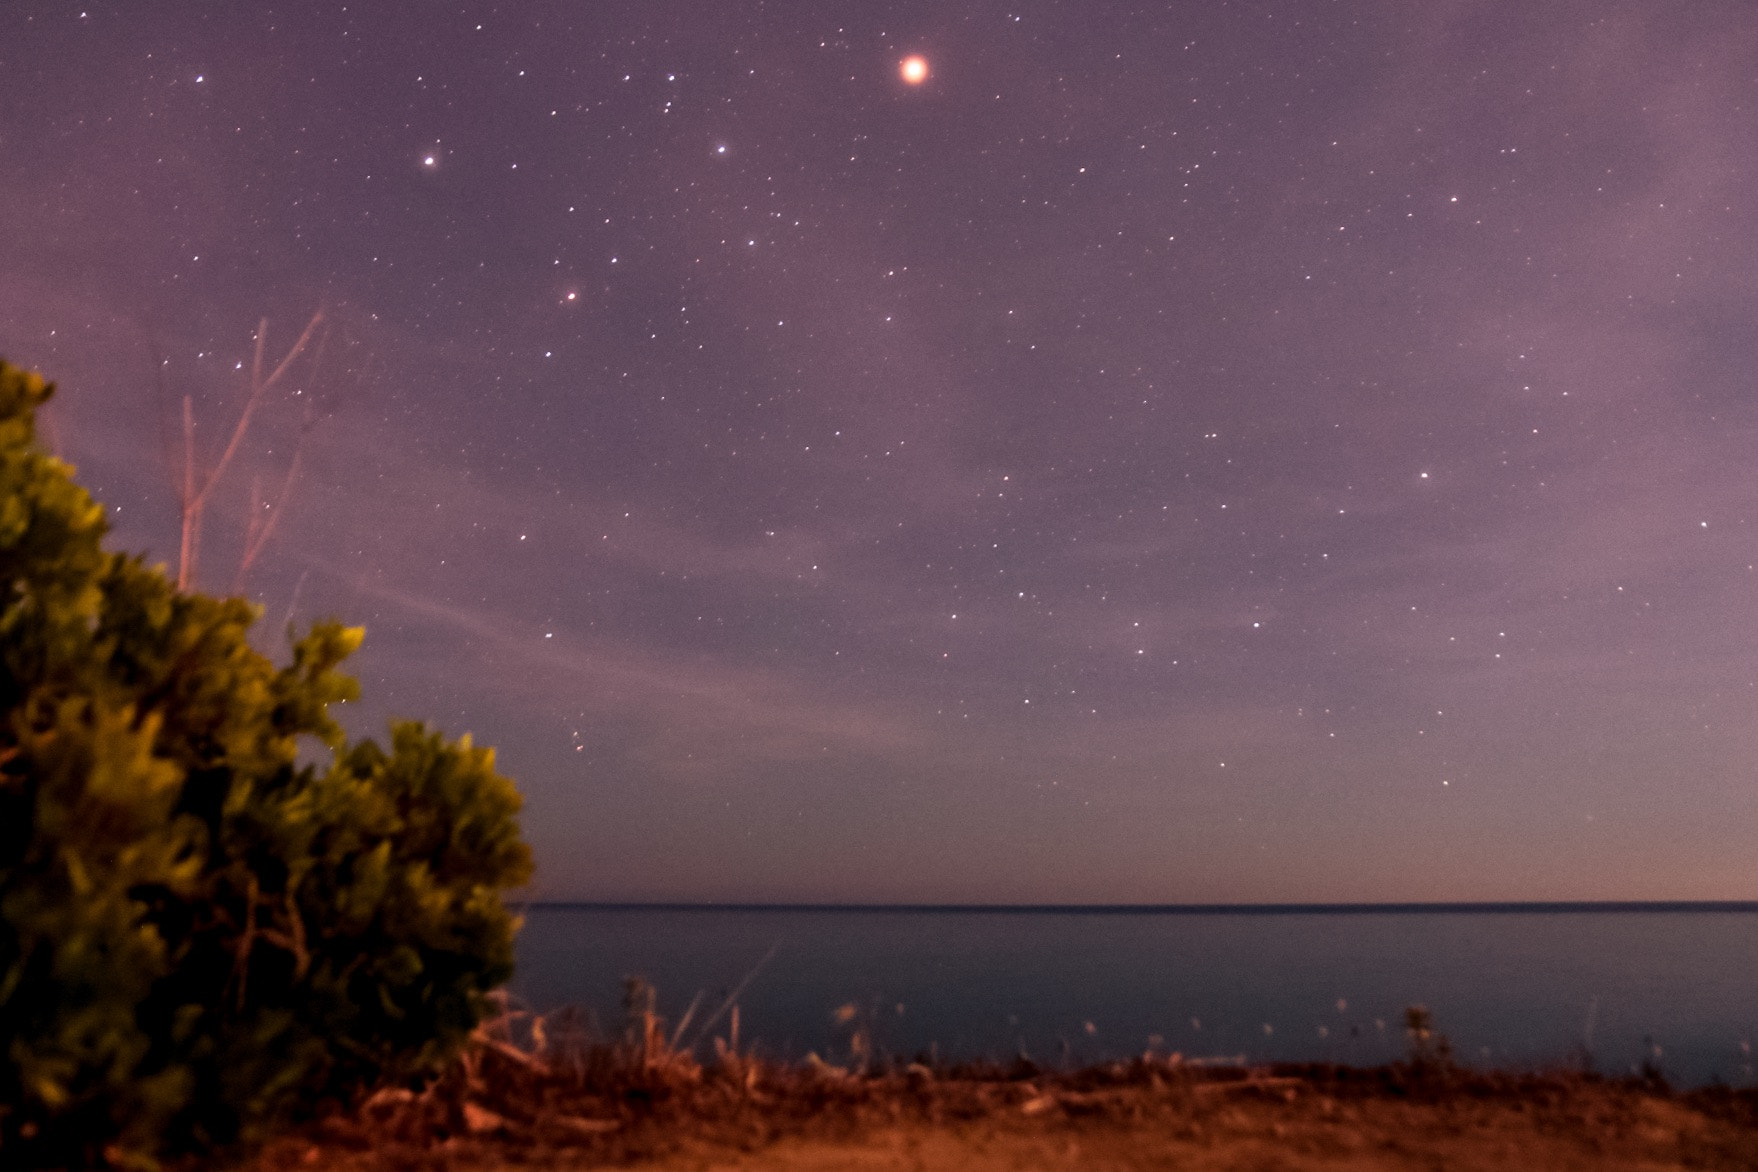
[1619,988]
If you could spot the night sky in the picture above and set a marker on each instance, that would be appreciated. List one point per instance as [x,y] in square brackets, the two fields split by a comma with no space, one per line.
[1173,452]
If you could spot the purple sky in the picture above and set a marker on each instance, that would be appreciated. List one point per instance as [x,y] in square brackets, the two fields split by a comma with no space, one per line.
[1179,452]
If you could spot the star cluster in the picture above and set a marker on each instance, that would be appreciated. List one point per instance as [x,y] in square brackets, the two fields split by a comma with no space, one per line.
[1141,453]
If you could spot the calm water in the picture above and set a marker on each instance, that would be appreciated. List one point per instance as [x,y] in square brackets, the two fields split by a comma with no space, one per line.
[1514,989]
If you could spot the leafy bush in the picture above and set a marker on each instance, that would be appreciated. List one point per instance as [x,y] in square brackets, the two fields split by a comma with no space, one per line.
[203,929]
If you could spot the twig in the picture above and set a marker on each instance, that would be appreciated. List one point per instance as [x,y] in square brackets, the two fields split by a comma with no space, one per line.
[684,1021]
[196,488]
[732,998]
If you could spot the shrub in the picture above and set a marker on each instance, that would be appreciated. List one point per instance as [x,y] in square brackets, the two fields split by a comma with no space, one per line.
[215,912]
[1430,1051]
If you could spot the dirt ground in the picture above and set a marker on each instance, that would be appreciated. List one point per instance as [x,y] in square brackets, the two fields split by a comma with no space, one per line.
[1315,1135]
[1259,1121]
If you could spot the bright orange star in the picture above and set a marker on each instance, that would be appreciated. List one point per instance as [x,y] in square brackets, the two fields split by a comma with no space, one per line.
[914,70]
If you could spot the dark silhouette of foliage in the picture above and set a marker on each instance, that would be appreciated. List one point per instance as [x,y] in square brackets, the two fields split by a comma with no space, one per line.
[215,912]
[1430,1050]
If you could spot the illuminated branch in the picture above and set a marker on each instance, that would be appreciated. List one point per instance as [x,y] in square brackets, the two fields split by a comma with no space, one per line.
[197,486]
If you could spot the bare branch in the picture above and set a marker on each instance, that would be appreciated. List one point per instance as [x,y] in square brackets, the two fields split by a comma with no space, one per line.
[253,523]
[198,487]
[189,506]
[298,347]
[262,339]
[50,431]
[257,387]
[262,524]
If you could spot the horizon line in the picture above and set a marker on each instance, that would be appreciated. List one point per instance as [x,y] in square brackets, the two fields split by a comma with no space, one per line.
[1361,908]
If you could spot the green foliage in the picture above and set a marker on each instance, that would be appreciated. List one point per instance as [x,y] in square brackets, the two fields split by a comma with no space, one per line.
[203,930]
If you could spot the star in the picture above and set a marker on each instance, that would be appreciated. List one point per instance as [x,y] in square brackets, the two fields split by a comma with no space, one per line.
[913,69]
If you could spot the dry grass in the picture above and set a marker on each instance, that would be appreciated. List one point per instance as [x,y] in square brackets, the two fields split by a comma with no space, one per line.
[545,1092]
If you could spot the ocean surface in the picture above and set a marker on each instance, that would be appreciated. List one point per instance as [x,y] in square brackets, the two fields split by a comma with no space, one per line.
[1513,986]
